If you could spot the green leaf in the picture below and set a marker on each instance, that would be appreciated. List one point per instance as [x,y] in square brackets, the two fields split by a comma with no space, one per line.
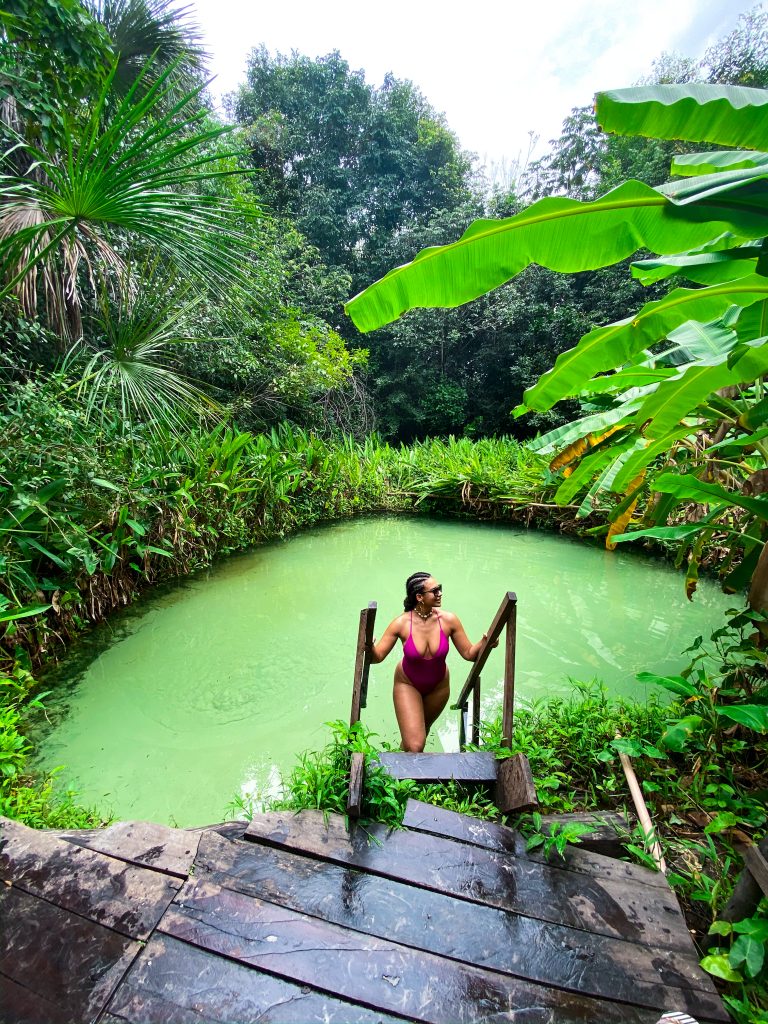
[722,821]
[631,377]
[687,486]
[24,613]
[595,423]
[748,951]
[727,115]
[703,268]
[720,928]
[676,684]
[719,966]
[678,397]
[671,533]
[720,160]
[561,234]
[753,716]
[105,483]
[607,347]
[645,456]
[677,734]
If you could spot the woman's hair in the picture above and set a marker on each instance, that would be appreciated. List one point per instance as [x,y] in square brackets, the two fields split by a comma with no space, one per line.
[413,586]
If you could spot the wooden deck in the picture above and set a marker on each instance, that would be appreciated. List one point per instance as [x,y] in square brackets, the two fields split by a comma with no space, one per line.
[295,919]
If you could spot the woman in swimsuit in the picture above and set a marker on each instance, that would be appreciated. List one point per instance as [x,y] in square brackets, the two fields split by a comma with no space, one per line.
[422,678]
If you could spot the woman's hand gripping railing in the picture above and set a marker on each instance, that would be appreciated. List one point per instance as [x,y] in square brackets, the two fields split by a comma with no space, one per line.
[505,616]
[359,700]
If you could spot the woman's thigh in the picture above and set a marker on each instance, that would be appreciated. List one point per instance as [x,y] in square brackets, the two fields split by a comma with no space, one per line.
[435,701]
[409,709]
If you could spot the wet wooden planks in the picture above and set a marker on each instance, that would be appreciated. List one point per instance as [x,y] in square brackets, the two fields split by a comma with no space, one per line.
[124,897]
[481,935]
[169,850]
[397,979]
[300,921]
[175,983]
[621,908]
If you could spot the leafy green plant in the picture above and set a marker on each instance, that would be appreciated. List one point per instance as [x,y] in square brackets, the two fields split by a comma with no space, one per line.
[556,837]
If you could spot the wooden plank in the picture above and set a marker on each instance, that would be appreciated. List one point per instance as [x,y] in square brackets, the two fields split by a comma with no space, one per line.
[477,767]
[758,867]
[170,850]
[50,957]
[484,936]
[356,780]
[362,661]
[20,1005]
[595,904]
[441,822]
[746,893]
[175,983]
[508,704]
[515,790]
[351,965]
[122,896]
[500,619]
[609,831]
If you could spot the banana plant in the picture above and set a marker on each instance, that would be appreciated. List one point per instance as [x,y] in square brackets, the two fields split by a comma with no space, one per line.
[684,424]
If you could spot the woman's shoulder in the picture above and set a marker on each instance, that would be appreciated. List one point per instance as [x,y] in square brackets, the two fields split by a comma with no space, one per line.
[449,618]
[400,622]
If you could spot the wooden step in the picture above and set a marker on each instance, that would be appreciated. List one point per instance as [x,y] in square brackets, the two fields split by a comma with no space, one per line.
[607,904]
[609,831]
[481,936]
[479,767]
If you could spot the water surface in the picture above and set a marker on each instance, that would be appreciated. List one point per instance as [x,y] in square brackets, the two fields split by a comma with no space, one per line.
[211,689]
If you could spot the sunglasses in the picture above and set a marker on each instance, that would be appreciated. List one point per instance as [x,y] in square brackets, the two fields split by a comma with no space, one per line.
[434,590]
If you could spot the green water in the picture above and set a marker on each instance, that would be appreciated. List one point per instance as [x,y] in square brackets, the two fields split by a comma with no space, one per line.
[211,689]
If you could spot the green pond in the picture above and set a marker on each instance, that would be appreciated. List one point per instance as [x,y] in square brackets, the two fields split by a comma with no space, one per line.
[209,690]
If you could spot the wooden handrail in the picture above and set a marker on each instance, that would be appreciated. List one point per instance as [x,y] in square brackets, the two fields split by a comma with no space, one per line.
[362,661]
[506,611]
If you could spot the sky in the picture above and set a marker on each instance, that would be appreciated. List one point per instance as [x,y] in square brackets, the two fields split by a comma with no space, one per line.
[505,73]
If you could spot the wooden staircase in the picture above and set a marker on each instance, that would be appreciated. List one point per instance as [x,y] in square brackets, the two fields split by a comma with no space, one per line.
[510,777]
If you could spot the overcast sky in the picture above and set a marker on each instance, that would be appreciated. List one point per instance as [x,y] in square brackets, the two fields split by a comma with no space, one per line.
[499,71]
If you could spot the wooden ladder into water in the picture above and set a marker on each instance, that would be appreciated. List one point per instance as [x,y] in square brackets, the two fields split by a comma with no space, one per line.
[510,777]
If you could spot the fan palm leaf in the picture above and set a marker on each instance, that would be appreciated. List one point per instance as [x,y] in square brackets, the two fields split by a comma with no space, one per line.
[137,171]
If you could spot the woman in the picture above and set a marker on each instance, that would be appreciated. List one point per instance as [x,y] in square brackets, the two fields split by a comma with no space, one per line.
[422,678]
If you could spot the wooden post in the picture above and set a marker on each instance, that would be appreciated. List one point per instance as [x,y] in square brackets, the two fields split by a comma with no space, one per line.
[748,889]
[510,644]
[463,711]
[362,662]
[642,811]
[476,713]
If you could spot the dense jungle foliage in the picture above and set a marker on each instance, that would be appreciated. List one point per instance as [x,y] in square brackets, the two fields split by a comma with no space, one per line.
[179,380]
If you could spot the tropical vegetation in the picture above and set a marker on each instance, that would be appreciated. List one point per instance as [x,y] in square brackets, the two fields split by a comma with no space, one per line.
[179,380]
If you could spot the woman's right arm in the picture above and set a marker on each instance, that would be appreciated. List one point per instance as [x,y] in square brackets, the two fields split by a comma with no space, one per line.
[378,651]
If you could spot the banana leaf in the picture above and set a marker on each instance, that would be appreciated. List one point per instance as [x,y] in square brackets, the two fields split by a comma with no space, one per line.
[702,268]
[607,347]
[686,531]
[678,398]
[645,456]
[561,234]
[753,716]
[706,341]
[619,453]
[720,160]
[727,115]
[569,432]
[630,377]
[688,487]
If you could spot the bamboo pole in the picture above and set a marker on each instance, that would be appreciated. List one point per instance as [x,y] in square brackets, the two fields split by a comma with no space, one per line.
[642,811]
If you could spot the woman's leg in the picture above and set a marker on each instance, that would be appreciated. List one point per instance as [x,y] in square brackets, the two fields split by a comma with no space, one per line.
[415,714]
[435,701]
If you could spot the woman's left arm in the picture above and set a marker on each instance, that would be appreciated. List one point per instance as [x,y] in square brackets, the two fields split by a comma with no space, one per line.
[461,641]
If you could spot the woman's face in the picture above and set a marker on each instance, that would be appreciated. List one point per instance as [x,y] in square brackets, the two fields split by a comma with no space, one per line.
[432,594]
